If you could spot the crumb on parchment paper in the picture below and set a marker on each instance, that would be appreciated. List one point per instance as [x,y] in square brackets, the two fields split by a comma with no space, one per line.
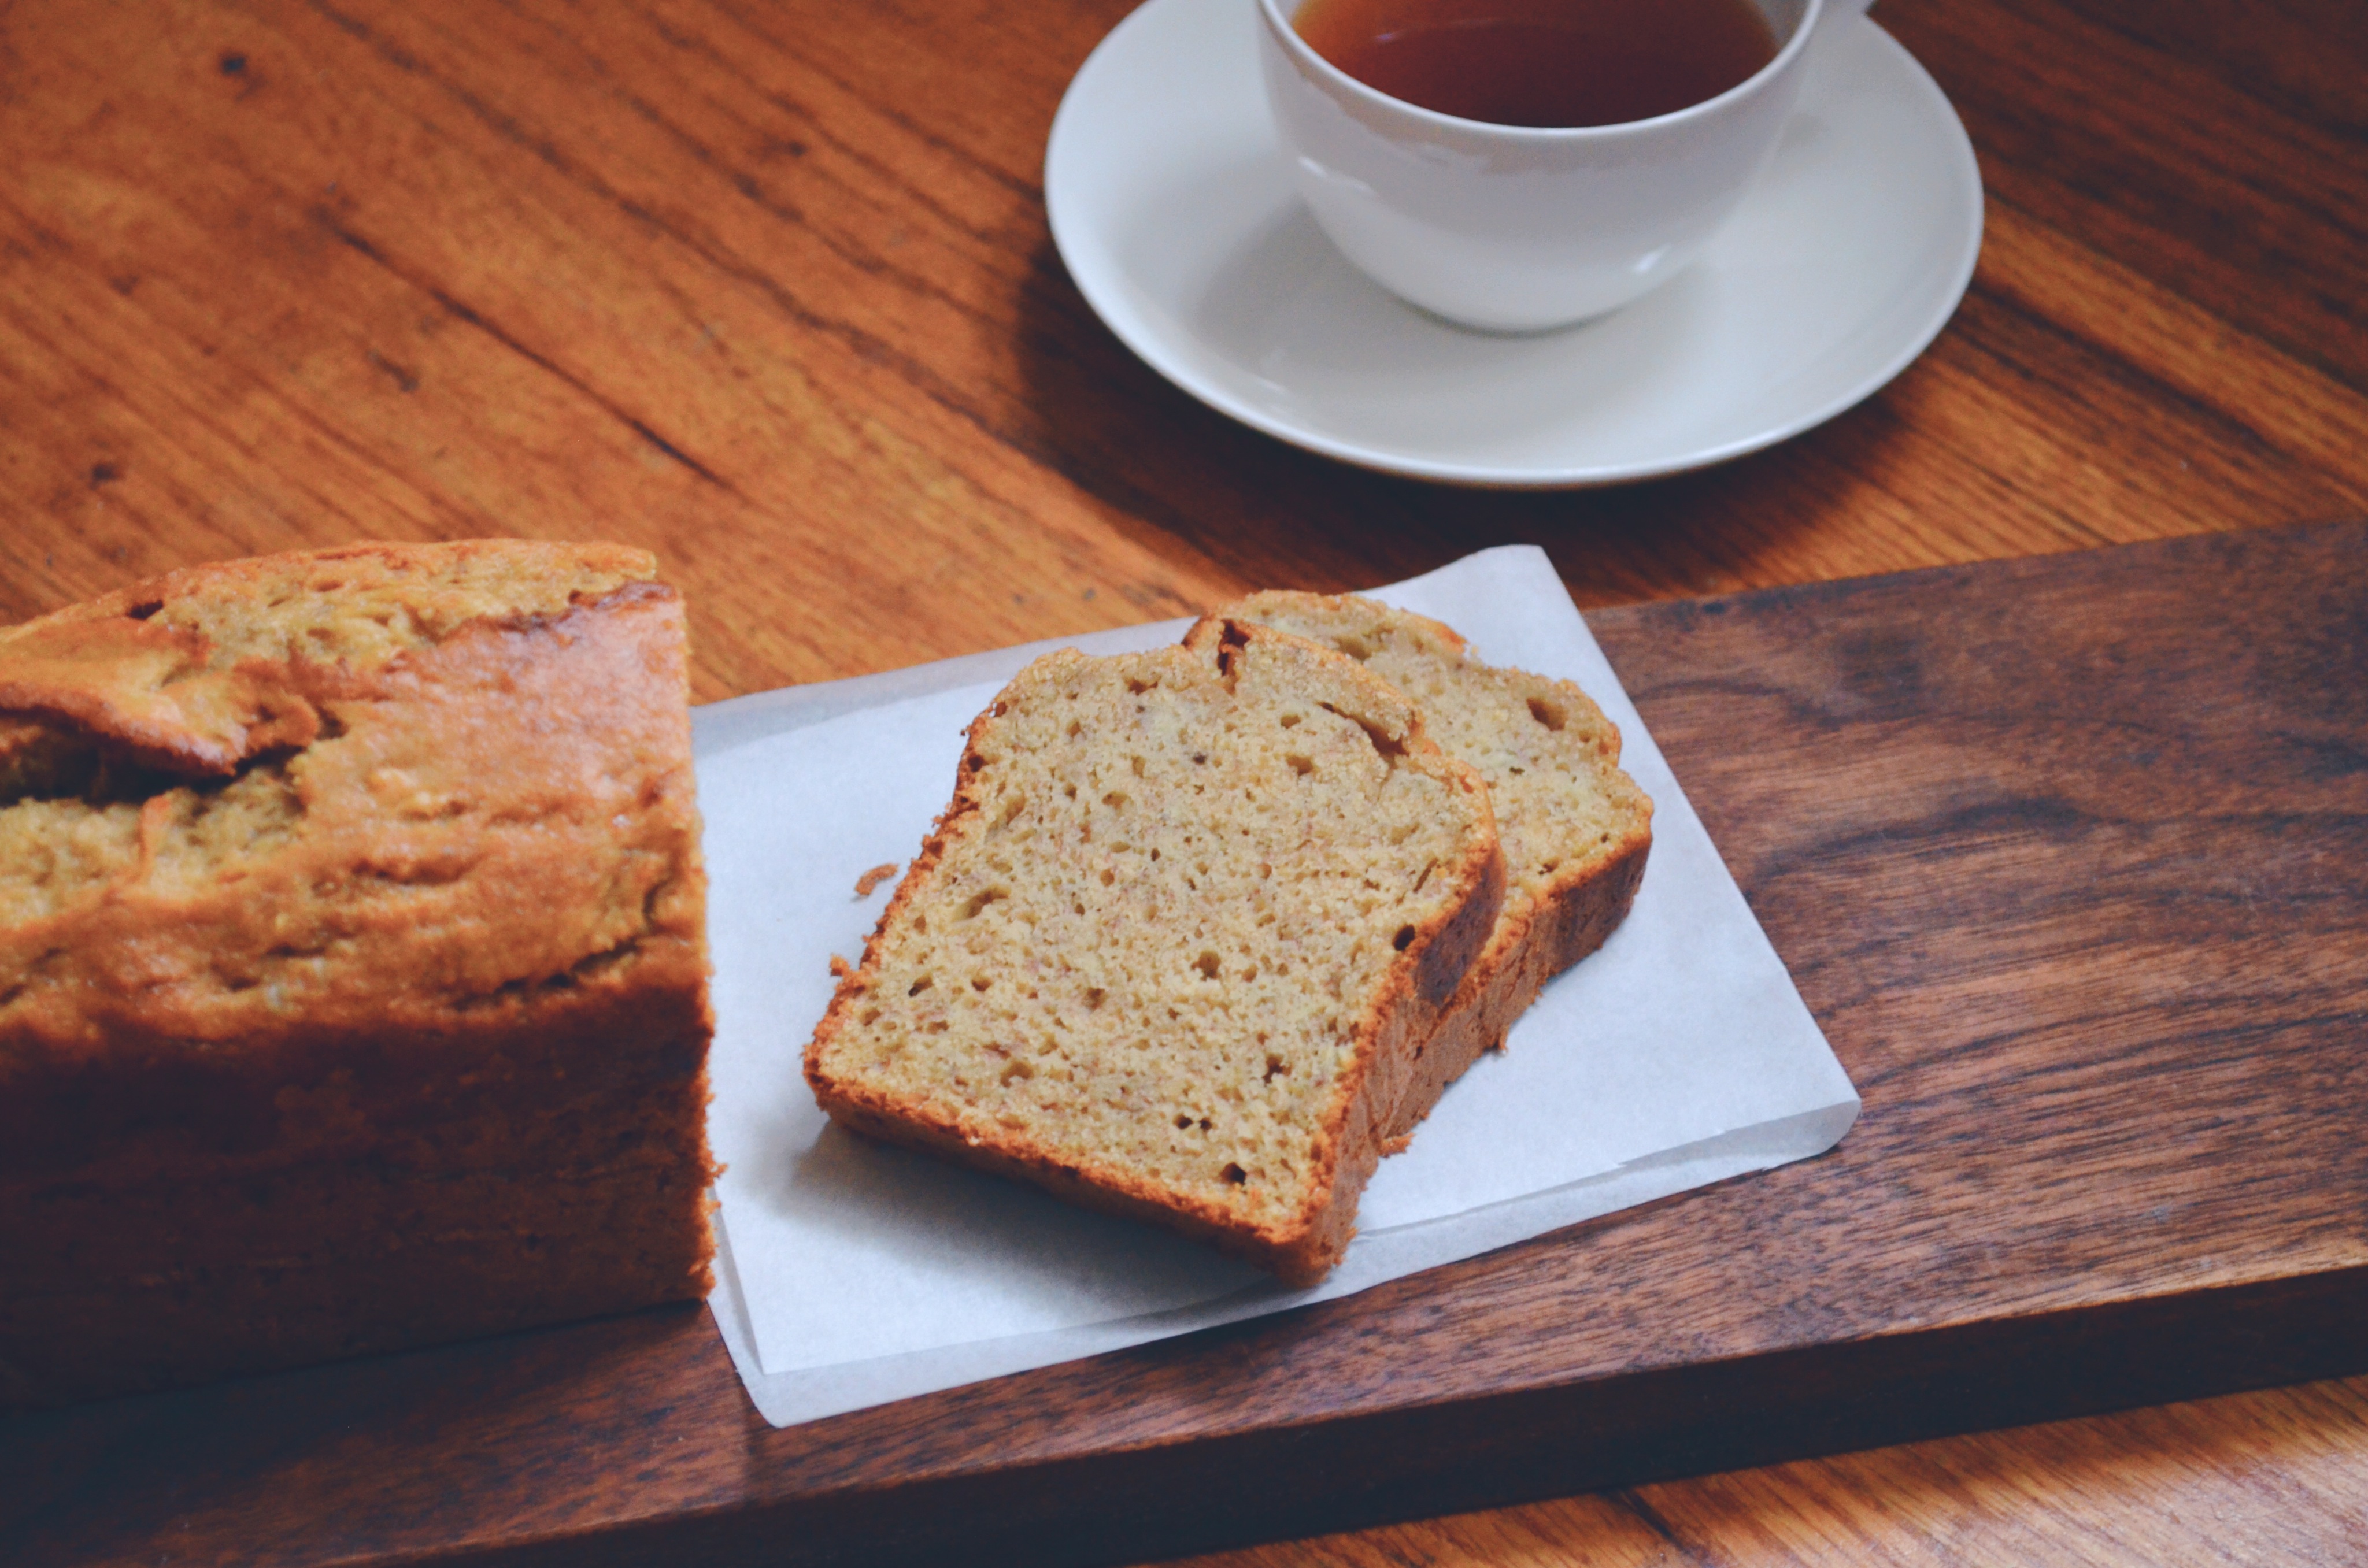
[873,877]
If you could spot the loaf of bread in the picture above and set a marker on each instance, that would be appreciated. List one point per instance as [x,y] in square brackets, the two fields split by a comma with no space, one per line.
[1172,947]
[353,971]
[1576,828]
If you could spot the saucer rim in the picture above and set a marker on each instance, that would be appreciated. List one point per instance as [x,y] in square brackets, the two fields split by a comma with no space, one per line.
[1151,346]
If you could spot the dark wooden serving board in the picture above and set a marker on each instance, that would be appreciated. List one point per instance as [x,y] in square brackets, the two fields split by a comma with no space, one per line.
[2068,854]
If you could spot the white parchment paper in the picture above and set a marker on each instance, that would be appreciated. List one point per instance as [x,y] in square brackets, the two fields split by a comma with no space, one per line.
[852,1275]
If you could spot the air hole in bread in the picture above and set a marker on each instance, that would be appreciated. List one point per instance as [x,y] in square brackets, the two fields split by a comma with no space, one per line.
[1207,964]
[921,984]
[1551,714]
[1230,643]
[1403,939]
[1235,1174]
[1390,747]
[1301,765]
[980,900]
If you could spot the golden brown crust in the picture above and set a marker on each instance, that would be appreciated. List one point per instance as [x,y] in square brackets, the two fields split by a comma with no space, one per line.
[463,839]
[1496,992]
[440,937]
[198,670]
[1306,1241]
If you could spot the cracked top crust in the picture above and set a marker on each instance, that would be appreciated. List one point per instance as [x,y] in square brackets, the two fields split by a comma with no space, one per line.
[387,786]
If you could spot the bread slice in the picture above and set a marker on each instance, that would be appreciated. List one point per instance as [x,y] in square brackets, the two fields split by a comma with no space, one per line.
[1575,829]
[1171,948]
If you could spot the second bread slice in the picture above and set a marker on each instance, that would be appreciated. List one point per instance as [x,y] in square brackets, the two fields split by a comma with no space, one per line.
[1576,828]
[1173,947]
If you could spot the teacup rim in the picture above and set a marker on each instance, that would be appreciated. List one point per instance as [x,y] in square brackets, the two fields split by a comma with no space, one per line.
[1304,54]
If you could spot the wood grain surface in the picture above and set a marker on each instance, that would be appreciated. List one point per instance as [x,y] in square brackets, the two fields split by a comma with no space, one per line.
[2069,856]
[2257,1479]
[767,289]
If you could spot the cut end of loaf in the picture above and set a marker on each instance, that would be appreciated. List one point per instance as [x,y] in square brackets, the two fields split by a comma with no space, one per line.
[352,962]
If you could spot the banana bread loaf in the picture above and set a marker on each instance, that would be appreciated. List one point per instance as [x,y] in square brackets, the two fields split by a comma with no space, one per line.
[1171,947]
[1576,828]
[353,974]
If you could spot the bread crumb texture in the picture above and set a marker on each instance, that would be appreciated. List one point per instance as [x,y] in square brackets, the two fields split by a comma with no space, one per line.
[1174,936]
[1551,758]
[351,786]
[1576,828]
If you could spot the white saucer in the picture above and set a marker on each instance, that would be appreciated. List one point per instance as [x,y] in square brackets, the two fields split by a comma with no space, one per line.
[1172,204]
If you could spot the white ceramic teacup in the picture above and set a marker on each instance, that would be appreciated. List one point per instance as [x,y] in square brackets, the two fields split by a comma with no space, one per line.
[1516,229]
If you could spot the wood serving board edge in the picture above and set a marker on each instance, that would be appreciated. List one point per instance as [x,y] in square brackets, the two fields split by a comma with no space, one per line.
[2067,854]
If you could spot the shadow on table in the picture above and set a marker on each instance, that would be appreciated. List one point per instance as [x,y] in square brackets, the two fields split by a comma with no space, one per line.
[1171,469]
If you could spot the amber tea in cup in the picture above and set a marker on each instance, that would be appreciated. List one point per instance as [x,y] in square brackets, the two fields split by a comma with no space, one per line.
[1548,63]
[1518,165]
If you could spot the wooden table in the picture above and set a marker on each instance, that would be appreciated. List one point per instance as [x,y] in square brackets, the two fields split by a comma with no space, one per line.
[768,289]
